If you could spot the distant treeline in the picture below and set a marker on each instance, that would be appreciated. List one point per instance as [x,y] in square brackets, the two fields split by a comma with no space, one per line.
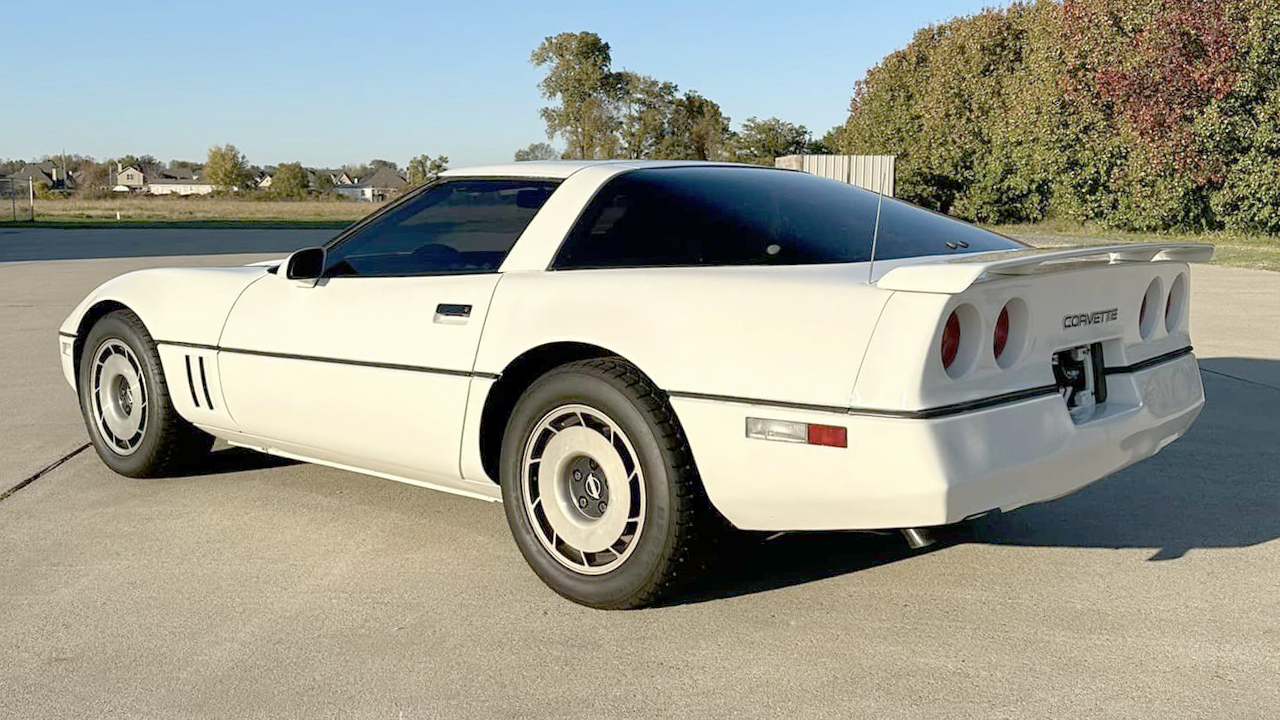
[1133,114]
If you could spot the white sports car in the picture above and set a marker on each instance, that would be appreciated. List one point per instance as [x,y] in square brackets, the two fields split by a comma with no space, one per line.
[628,353]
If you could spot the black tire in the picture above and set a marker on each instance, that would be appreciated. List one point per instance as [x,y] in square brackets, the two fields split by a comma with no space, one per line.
[675,506]
[164,441]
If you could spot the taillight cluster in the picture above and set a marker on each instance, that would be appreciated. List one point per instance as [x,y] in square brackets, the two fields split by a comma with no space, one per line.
[1000,340]
[951,341]
[1006,336]
[1175,304]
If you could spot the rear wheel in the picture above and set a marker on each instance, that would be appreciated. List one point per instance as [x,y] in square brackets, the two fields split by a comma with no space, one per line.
[126,405]
[599,486]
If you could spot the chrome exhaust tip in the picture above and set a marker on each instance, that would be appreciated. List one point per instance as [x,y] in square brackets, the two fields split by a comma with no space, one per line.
[917,538]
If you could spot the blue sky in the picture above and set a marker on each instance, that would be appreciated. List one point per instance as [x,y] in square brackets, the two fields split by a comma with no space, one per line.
[334,82]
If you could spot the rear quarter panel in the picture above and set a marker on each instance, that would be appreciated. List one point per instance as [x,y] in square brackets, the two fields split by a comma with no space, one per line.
[792,334]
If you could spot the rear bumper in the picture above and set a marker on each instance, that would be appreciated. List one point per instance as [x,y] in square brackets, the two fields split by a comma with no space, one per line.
[901,472]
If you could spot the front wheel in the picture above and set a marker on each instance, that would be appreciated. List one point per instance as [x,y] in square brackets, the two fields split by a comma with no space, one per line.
[599,486]
[125,401]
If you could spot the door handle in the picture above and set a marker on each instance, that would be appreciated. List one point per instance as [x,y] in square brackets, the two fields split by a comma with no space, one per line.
[450,314]
[450,310]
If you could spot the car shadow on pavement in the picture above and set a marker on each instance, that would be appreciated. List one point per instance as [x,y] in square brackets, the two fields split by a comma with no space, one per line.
[232,460]
[1216,488]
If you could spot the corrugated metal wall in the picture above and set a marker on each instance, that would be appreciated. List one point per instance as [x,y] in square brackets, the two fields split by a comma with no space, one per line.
[865,171]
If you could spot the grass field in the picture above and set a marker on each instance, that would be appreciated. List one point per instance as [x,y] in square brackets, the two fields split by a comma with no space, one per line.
[1259,252]
[198,211]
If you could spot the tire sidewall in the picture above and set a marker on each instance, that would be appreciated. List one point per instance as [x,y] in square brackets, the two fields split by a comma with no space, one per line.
[113,327]
[656,543]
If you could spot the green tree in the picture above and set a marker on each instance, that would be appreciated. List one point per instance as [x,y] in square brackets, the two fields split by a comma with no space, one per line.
[94,179]
[425,168]
[697,130]
[760,141]
[227,169]
[184,166]
[290,181]
[375,164]
[643,108]
[537,151]
[579,80]
[323,183]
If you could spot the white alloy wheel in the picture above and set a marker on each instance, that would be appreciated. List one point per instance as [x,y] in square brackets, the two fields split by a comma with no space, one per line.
[119,396]
[583,489]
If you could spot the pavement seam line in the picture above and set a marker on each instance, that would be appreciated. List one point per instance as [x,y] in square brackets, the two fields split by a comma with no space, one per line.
[1243,380]
[42,472]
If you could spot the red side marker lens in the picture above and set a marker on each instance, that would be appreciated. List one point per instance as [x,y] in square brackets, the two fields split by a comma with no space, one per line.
[830,435]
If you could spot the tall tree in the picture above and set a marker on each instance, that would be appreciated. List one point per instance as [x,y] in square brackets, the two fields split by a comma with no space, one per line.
[537,151]
[94,179]
[760,141]
[579,80]
[425,168]
[644,107]
[376,163]
[323,183]
[697,130]
[290,181]
[184,166]
[226,168]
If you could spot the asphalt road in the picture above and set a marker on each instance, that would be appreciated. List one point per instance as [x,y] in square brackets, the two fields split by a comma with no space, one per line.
[261,589]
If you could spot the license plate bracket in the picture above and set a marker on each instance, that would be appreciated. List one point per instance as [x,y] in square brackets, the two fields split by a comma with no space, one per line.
[1080,374]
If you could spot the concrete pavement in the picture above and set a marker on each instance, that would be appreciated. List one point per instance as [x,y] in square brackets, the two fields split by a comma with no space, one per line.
[262,589]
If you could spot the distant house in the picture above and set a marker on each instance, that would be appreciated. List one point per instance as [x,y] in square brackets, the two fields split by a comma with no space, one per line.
[46,173]
[179,186]
[382,184]
[264,180]
[129,179]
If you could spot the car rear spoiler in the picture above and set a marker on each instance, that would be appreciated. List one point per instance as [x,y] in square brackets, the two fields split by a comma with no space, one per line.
[956,275]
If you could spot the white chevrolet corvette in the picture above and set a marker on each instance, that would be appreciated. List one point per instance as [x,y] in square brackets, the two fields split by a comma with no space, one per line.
[628,353]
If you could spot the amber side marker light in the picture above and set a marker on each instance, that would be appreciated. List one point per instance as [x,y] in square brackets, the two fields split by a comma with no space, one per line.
[797,432]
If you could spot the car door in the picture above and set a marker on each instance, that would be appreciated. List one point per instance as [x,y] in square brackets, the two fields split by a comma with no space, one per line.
[370,366]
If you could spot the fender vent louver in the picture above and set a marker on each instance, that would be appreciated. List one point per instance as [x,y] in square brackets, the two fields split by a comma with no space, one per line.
[191,383]
[204,383]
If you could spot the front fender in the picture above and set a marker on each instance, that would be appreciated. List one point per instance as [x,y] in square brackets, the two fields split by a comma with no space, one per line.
[186,305]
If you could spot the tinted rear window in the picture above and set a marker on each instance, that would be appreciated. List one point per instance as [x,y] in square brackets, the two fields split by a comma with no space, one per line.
[753,216]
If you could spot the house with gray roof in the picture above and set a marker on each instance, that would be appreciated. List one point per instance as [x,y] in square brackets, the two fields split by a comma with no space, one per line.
[47,173]
[384,183]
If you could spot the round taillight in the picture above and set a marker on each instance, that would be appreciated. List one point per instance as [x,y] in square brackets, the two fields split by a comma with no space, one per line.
[950,340]
[1001,339]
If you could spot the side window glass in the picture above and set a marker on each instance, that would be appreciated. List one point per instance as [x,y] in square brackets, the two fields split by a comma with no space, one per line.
[460,227]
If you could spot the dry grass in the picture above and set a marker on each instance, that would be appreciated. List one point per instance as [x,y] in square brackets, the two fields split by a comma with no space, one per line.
[1259,252]
[200,209]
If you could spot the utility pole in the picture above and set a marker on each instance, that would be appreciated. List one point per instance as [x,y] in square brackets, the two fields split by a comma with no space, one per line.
[31,195]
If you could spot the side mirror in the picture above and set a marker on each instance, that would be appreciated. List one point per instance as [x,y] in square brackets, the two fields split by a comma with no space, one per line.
[305,264]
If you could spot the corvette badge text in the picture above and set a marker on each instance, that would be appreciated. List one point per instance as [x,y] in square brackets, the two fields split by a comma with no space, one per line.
[1093,318]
